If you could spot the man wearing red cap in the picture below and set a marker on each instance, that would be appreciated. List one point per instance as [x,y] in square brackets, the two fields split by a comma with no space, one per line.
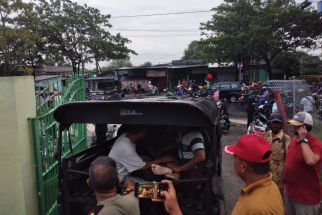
[301,174]
[260,195]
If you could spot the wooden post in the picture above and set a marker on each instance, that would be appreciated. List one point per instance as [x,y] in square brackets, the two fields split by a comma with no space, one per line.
[281,110]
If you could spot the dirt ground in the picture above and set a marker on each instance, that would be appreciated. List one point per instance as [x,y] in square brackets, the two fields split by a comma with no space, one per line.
[231,183]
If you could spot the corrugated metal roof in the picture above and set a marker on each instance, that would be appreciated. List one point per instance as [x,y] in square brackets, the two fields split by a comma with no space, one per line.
[162,67]
[45,77]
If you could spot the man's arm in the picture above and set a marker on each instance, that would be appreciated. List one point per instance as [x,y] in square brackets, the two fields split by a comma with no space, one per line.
[199,157]
[310,158]
[170,199]
[165,159]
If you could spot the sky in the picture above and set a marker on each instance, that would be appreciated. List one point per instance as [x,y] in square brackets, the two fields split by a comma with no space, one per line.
[174,32]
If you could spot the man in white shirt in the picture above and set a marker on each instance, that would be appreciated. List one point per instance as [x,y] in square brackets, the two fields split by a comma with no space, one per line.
[307,103]
[125,155]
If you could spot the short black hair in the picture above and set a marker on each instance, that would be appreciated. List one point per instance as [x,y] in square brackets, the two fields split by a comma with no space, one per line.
[308,127]
[103,174]
[259,168]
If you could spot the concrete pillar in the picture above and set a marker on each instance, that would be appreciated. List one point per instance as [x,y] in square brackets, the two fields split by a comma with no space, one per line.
[18,193]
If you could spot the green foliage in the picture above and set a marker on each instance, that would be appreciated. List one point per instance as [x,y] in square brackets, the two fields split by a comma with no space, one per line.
[146,64]
[198,50]
[56,31]
[242,30]
[289,62]
[18,43]
[116,64]
[79,32]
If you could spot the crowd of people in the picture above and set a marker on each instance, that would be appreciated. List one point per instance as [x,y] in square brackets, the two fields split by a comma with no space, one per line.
[281,171]
[281,174]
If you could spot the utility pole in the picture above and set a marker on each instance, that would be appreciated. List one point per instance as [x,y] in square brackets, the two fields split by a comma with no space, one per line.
[305,4]
[319,8]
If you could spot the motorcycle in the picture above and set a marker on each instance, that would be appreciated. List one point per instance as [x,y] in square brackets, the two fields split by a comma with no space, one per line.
[246,99]
[242,102]
[224,122]
[261,117]
[152,90]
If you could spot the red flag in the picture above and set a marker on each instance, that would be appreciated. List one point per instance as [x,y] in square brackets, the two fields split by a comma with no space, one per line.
[209,76]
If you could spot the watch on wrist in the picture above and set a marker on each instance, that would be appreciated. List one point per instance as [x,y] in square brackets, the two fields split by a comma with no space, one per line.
[304,140]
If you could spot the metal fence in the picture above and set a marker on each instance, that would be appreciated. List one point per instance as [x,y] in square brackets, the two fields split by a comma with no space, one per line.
[292,92]
[45,133]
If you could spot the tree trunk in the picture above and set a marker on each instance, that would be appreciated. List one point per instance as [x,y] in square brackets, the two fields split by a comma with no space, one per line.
[78,67]
[268,67]
[74,67]
[96,61]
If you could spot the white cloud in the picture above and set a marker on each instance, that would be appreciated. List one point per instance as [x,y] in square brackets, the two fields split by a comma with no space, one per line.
[150,48]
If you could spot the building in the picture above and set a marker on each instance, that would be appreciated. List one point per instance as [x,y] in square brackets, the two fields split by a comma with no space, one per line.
[163,75]
[64,71]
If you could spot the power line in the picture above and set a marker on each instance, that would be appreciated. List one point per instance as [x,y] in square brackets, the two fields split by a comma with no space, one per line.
[161,14]
[156,57]
[174,35]
[155,30]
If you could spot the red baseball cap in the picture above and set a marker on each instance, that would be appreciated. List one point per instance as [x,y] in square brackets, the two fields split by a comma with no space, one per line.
[251,147]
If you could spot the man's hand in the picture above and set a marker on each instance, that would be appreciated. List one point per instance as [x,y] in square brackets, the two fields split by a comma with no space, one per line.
[170,199]
[302,132]
[174,167]
[129,186]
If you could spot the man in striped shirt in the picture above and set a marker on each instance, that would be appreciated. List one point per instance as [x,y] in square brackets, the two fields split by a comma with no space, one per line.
[191,154]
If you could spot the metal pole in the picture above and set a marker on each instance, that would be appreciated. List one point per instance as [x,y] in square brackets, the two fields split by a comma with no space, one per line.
[281,110]
[38,166]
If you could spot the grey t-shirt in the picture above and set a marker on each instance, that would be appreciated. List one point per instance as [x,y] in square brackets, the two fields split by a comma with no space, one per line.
[125,156]
[120,205]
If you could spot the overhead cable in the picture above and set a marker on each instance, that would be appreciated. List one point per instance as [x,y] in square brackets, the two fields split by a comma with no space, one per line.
[174,35]
[161,14]
[156,30]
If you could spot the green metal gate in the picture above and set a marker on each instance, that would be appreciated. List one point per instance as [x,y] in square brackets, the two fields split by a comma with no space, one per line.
[45,133]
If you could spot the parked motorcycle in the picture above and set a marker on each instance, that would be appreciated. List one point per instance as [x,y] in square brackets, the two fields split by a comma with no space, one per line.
[152,90]
[261,117]
[224,122]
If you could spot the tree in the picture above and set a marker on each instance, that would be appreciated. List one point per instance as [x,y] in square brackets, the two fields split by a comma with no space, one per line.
[116,64]
[146,64]
[18,43]
[243,30]
[80,33]
[288,61]
[197,50]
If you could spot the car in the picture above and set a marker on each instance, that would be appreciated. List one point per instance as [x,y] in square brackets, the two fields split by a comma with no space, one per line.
[155,114]
[228,90]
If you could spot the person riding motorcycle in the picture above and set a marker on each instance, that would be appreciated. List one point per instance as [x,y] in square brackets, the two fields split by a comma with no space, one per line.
[263,96]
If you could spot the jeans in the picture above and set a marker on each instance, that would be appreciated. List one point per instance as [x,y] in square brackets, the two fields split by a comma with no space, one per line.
[296,208]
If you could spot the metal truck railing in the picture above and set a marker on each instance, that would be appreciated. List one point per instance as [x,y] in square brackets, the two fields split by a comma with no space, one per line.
[45,133]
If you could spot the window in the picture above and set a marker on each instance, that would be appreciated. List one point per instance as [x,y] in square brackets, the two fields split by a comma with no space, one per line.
[235,86]
[224,86]
[214,86]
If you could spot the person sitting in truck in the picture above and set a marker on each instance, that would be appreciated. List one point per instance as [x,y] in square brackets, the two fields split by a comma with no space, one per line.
[128,162]
[190,155]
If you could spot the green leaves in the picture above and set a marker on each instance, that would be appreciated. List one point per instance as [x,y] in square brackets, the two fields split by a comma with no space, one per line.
[81,32]
[54,31]
[241,30]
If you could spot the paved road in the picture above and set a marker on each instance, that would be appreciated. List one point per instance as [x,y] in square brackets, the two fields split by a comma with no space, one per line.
[231,183]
